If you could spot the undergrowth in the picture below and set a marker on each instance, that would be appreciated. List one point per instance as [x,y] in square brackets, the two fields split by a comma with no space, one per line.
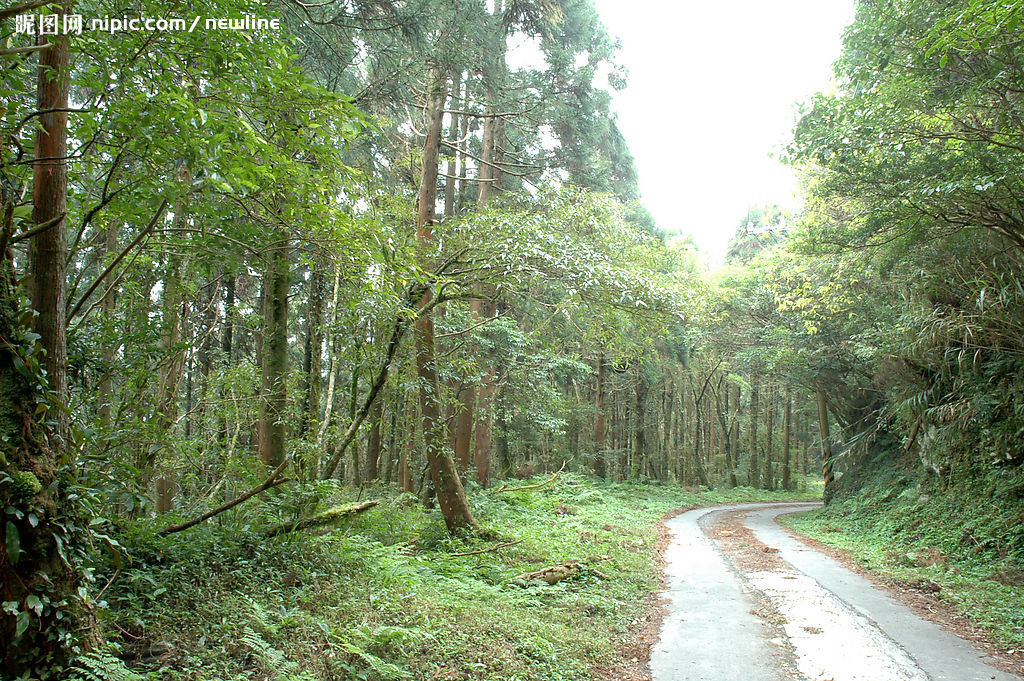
[960,536]
[383,597]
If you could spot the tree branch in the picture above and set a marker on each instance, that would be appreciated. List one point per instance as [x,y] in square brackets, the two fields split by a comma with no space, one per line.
[23,7]
[488,320]
[38,229]
[271,481]
[110,268]
[24,50]
[476,158]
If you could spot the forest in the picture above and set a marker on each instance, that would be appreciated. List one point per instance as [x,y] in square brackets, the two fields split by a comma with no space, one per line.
[314,338]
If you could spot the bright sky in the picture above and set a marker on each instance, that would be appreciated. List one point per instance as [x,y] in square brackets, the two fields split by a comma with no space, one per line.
[712,94]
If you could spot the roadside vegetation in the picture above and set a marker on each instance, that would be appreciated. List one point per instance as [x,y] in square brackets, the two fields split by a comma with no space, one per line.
[386,595]
[961,540]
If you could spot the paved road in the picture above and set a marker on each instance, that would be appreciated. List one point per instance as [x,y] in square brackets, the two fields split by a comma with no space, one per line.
[824,622]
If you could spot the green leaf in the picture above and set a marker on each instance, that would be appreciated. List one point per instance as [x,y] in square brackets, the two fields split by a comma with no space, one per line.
[13,542]
[33,603]
[23,621]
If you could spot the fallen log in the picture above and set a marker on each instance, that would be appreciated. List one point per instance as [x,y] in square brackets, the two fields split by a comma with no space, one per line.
[505,488]
[551,575]
[329,517]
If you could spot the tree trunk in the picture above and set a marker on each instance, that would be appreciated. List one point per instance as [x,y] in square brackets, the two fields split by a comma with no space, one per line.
[483,435]
[712,441]
[48,249]
[803,443]
[274,358]
[639,433]
[312,365]
[464,424]
[109,350]
[373,441]
[768,477]
[726,433]
[334,369]
[389,459]
[600,466]
[208,306]
[826,444]
[450,494]
[453,136]
[484,309]
[734,436]
[698,429]
[461,155]
[787,482]
[227,343]
[172,359]
[503,451]
[30,562]
[33,450]
[357,477]
[753,472]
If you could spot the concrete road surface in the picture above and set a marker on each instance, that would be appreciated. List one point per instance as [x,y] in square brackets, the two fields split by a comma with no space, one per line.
[810,619]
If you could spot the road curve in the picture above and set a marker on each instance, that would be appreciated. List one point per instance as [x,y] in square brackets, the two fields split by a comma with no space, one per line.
[811,618]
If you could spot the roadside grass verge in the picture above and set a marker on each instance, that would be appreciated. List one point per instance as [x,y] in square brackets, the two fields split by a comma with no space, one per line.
[962,542]
[383,597]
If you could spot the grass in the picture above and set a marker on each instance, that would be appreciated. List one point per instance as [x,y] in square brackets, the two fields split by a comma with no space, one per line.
[384,598]
[963,539]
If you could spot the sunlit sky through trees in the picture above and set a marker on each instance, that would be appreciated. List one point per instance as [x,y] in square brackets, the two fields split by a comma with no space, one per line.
[712,95]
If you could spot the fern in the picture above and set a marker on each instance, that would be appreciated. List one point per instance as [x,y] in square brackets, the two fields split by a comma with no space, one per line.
[383,668]
[274,660]
[101,665]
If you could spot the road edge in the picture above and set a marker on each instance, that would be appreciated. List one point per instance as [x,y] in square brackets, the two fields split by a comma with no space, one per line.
[634,654]
[924,604]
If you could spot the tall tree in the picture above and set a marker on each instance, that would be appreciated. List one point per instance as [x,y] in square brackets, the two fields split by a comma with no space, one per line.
[33,569]
[451,496]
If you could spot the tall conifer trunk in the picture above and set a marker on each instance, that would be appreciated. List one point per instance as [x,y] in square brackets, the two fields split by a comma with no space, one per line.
[32,450]
[372,471]
[734,436]
[787,416]
[405,482]
[726,431]
[48,249]
[600,467]
[768,479]
[753,472]
[450,494]
[109,347]
[484,309]
[274,355]
[640,420]
[826,443]
[172,364]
